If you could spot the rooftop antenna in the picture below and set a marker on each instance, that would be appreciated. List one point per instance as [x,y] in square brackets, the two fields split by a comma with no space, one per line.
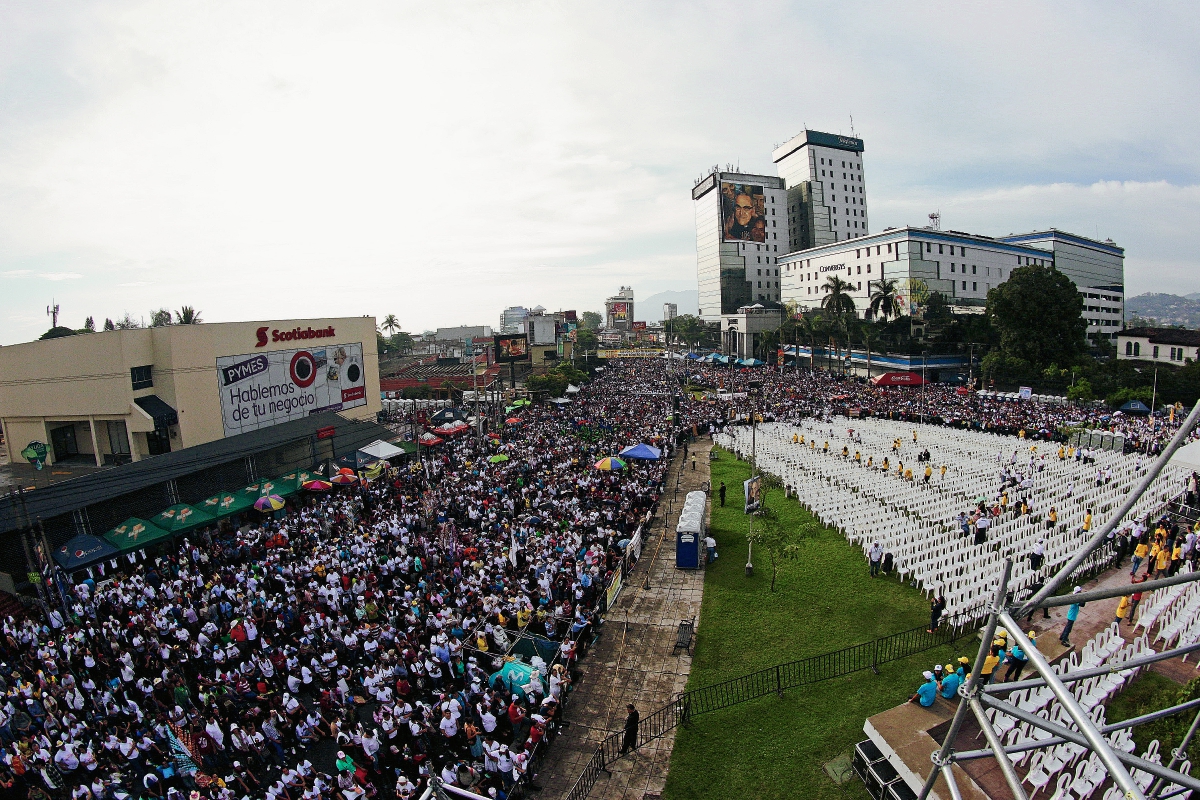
[52,312]
[852,127]
[935,220]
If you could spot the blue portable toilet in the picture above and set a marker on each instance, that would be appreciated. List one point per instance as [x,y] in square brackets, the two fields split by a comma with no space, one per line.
[689,532]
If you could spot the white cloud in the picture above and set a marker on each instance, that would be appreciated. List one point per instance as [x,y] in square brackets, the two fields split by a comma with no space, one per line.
[443,161]
[16,273]
[60,276]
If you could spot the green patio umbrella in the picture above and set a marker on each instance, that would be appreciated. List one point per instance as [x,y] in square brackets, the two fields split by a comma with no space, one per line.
[282,486]
[181,517]
[498,458]
[226,503]
[519,403]
[134,534]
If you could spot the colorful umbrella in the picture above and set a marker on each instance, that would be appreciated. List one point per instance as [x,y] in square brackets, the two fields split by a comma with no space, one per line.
[512,421]
[342,479]
[519,403]
[317,485]
[498,458]
[269,502]
[610,463]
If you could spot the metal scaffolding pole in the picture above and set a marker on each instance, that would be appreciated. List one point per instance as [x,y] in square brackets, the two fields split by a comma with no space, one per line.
[1117,591]
[1038,744]
[1101,536]
[1084,674]
[1094,738]
[997,747]
[1081,739]
[1177,757]
[942,757]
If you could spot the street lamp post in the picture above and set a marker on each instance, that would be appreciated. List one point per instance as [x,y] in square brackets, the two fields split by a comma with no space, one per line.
[924,363]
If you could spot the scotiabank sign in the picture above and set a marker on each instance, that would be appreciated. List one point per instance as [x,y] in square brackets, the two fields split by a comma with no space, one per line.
[293,335]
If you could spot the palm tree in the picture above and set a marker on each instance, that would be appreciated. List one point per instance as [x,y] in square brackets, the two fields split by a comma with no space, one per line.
[837,299]
[869,335]
[188,316]
[806,327]
[884,301]
[390,324]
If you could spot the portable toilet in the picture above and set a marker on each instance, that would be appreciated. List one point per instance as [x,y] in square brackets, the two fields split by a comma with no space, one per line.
[689,532]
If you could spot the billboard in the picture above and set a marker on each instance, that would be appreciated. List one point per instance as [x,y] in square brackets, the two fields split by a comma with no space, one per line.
[511,348]
[753,490]
[263,389]
[743,212]
[619,311]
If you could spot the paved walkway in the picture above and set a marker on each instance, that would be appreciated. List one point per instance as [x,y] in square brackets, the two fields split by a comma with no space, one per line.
[633,662]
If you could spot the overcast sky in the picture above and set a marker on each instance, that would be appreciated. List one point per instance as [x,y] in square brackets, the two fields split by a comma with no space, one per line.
[442,161]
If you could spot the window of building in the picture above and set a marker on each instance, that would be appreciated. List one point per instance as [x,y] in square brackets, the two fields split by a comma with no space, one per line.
[760,282]
[889,248]
[964,283]
[141,377]
[974,270]
[118,437]
[1137,348]
[974,286]
[953,267]
[760,273]
[1155,351]
[939,248]
[963,251]
[928,247]
[868,269]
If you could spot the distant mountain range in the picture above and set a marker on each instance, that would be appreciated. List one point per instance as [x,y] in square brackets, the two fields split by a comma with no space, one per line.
[1165,309]
[651,309]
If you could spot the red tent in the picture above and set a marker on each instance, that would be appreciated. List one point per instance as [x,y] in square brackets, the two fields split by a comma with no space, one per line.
[898,379]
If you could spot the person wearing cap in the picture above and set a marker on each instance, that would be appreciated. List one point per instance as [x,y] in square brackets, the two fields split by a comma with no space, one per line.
[951,680]
[1072,615]
[926,692]
[1017,659]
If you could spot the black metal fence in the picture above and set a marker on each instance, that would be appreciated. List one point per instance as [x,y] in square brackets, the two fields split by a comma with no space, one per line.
[774,680]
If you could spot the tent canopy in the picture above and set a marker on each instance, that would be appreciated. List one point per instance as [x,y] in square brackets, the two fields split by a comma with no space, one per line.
[1187,457]
[642,451]
[134,534]
[379,450]
[226,503]
[181,517]
[448,415]
[1135,407]
[83,551]
[898,379]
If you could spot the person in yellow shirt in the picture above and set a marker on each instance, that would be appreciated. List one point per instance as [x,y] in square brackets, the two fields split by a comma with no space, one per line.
[1140,552]
[989,664]
[857,457]
[1122,609]
[1163,562]
[899,469]
[1087,521]
[845,451]
[795,438]
[1052,518]
[886,466]
[870,462]
[1176,557]
[1062,453]
[928,473]
[908,474]
[943,475]
[825,449]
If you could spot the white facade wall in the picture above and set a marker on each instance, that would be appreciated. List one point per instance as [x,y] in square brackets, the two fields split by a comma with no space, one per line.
[963,268]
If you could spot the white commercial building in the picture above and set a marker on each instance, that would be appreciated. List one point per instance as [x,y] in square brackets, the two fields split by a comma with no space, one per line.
[826,188]
[741,231]
[1177,346]
[962,267]
[463,332]
[512,319]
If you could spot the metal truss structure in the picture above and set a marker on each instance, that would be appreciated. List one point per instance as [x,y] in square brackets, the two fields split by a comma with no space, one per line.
[975,699]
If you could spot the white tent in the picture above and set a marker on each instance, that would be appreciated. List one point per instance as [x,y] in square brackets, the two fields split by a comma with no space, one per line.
[1188,456]
[572,389]
[378,450]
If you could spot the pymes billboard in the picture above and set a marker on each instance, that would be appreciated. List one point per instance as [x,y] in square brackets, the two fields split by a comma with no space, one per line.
[263,389]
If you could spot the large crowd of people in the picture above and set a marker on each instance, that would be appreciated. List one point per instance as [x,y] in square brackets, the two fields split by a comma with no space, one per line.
[350,644]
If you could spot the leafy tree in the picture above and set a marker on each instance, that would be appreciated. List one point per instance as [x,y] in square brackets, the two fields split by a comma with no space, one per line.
[160,318]
[127,323]
[586,340]
[551,383]
[422,392]
[58,332]
[1039,314]
[401,341]
[1125,394]
[390,324]
[768,532]
[689,329]
[884,301]
[591,321]
[1081,392]
[188,316]
[109,326]
[90,324]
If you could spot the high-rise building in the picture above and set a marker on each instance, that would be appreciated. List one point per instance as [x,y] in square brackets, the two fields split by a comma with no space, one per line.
[826,190]
[512,319]
[618,310]
[670,311]
[741,230]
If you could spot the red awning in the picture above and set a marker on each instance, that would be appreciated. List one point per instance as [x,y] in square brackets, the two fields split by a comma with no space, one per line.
[898,379]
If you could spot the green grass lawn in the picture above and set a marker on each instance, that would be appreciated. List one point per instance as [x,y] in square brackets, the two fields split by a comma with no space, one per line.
[1148,692]
[824,600]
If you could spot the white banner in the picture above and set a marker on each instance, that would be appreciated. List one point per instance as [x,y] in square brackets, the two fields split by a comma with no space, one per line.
[263,389]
